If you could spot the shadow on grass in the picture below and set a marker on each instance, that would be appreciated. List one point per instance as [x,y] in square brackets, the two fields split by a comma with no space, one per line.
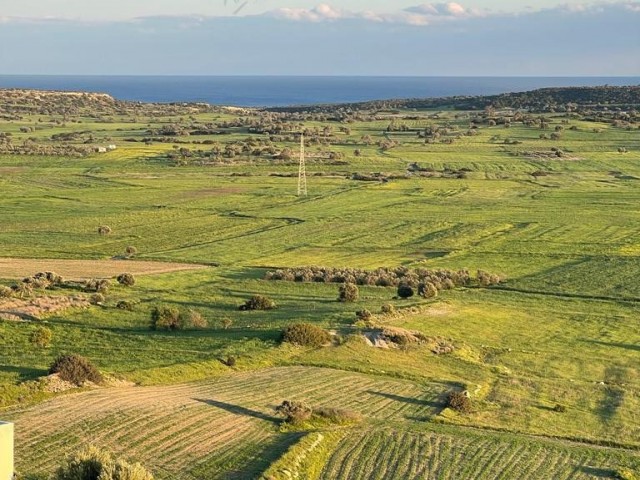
[597,472]
[627,346]
[238,410]
[24,373]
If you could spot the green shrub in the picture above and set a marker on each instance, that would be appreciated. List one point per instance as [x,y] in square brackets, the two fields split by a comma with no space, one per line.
[130,251]
[559,408]
[428,290]
[258,302]
[41,337]
[166,318]
[98,285]
[94,464]
[459,402]
[75,369]
[230,361]
[364,315]
[405,291]
[348,292]
[305,335]
[126,279]
[104,230]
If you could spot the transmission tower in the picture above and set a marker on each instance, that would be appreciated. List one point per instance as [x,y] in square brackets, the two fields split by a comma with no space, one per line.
[302,171]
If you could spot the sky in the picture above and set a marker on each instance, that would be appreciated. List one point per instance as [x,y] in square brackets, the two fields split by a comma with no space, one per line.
[303,37]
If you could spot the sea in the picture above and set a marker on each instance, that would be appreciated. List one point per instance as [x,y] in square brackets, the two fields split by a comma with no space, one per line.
[266,91]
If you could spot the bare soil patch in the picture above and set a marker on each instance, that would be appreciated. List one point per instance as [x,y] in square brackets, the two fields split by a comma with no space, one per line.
[18,309]
[18,268]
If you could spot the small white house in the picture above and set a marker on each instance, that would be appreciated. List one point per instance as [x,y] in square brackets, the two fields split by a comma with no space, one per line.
[6,451]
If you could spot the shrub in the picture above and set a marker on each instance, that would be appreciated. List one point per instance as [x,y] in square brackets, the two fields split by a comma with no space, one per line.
[405,291]
[364,315]
[258,302]
[100,285]
[104,230]
[294,412]
[305,335]
[75,369]
[5,292]
[167,318]
[23,289]
[94,464]
[388,309]
[196,320]
[226,323]
[126,279]
[130,251]
[559,408]
[428,290]
[230,361]
[41,337]
[348,292]
[459,402]
[125,305]
[96,299]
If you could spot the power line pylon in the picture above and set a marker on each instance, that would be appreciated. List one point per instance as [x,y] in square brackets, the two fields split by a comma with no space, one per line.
[302,171]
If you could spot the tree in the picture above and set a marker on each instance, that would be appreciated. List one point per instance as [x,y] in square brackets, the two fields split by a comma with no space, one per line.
[405,291]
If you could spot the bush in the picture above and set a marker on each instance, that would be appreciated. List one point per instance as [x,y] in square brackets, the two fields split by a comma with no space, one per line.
[364,315]
[41,337]
[75,369]
[5,292]
[130,251]
[258,302]
[104,230]
[559,408]
[125,305]
[294,412]
[388,309]
[226,323]
[348,292]
[306,335]
[99,285]
[94,464]
[126,279]
[167,318]
[196,320]
[405,291]
[428,290]
[96,299]
[230,361]
[459,402]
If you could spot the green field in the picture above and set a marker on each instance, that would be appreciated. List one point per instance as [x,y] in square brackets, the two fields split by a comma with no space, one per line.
[560,329]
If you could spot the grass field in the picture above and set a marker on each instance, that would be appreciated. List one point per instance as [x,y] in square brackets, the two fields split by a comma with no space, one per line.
[561,329]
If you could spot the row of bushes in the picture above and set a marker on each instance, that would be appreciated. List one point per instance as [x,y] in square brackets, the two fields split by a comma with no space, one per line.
[384,276]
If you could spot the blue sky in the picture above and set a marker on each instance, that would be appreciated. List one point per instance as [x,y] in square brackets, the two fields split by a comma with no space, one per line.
[349,37]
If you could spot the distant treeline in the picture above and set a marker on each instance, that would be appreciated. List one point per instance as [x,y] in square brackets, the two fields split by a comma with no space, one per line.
[541,100]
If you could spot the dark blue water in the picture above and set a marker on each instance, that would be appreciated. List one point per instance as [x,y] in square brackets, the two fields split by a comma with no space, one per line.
[279,91]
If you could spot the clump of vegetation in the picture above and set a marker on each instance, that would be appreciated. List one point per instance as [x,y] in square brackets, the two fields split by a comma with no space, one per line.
[195,319]
[364,315]
[337,416]
[459,401]
[95,464]
[125,305]
[5,292]
[405,291]
[559,408]
[166,318]
[96,299]
[387,309]
[427,290]
[486,279]
[23,290]
[99,285]
[305,335]
[130,251]
[258,302]
[348,292]
[230,361]
[624,473]
[226,323]
[75,369]
[294,412]
[126,279]
[104,230]
[41,337]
